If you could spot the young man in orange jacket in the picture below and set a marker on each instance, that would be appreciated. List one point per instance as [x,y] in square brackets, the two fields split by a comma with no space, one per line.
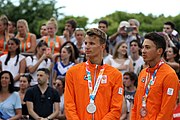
[93,90]
[157,91]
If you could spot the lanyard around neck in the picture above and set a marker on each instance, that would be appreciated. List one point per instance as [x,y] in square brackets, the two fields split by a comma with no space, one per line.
[24,43]
[92,92]
[151,82]
[4,47]
[53,43]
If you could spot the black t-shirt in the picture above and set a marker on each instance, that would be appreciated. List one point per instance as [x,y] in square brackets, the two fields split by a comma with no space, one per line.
[42,103]
[129,96]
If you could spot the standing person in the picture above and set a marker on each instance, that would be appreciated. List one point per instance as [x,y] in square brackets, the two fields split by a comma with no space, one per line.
[28,40]
[120,59]
[12,28]
[168,28]
[67,60]
[122,34]
[68,33]
[43,32]
[103,25]
[59,85]
[42,100]
[13,61]
[134,25]
[157,91]
[41,59]
[4,34]
[136,57]
[82,101]
[10,103]
[130,84]
[25,80]
[54,42]
[79,33]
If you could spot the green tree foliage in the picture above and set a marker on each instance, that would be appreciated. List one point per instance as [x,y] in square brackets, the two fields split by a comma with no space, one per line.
[35,12]
[147,23]
[81,22]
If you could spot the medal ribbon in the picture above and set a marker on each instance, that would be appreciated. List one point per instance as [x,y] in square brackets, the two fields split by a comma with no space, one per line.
[53,43]
[151,82]
[92,93]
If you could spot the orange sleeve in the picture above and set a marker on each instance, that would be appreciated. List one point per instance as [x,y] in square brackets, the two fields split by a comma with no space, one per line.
[116,100]
[170,92]
[69,98]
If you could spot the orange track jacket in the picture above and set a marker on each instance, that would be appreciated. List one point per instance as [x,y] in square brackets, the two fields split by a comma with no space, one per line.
[108,99]
[162,95]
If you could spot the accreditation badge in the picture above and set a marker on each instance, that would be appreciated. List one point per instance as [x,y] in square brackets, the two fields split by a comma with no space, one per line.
[28,44]
[56,44]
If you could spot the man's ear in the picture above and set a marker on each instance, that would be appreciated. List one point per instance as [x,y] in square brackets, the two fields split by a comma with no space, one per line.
[103,46]
[160,51]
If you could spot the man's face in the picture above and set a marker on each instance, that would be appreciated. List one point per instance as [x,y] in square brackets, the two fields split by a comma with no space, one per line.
[92,46]
[69,28]
[167,29]
[149,51]
[42,77]
[103,27]
[134,47]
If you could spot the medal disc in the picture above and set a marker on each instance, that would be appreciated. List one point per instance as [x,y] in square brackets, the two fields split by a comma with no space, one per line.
[91,108]
[143,112]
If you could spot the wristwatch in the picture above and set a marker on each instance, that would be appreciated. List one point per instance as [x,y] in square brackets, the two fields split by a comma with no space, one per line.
[48,118]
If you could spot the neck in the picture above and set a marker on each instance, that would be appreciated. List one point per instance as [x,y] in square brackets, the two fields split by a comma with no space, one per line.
[120,56]
[13,54]
[5,90]
[22,91]
[43,87]
[154,62]
[65,61]
[23,35]
[171,60]
[52,36]
[131,88]
[96,61]
[38,56]
[135,56]
[79,44]
[60,92]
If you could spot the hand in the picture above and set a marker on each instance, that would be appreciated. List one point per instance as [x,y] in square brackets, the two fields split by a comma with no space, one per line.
[43,57]
[66,33]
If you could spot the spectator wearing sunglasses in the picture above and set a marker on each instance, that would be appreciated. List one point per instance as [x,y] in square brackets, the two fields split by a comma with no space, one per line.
[42,100]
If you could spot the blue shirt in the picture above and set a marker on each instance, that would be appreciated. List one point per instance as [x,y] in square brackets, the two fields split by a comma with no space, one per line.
[8,106]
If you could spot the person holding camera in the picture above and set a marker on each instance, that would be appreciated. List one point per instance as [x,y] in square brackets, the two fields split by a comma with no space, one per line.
[41,59]
[122,34]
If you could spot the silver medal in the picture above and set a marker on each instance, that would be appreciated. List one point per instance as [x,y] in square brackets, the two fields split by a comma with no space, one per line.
[91,108]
